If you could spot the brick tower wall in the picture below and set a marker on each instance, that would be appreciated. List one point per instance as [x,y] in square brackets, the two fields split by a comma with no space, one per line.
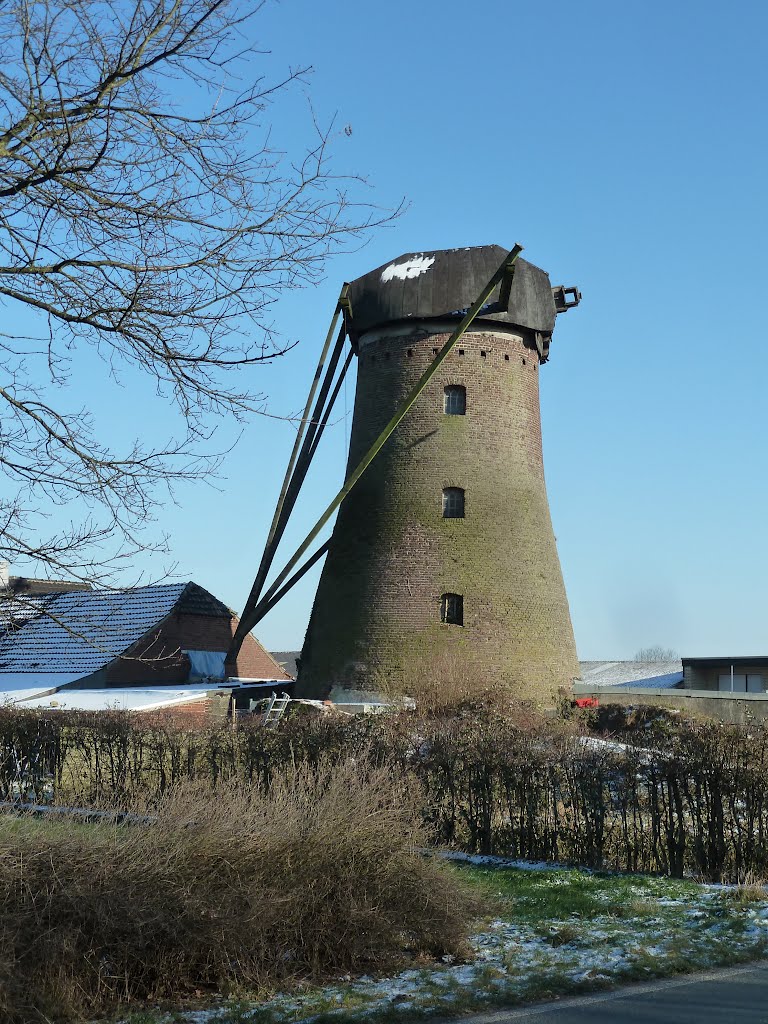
[376,619]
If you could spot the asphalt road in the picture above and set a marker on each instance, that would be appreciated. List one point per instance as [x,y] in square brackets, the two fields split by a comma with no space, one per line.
[734,995]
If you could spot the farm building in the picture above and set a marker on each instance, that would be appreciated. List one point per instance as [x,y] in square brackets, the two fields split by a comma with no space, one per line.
[141,648]
[732,689]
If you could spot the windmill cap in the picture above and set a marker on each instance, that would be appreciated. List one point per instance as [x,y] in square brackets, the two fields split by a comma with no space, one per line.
[444,283]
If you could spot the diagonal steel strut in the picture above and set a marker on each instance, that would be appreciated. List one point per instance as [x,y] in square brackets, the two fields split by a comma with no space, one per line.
[301,455]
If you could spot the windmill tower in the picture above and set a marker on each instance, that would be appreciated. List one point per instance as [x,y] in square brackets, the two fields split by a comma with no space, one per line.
[444,549]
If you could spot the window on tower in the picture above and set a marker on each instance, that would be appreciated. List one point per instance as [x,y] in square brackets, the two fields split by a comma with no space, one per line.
[455,400]
[452,609]
[453,503]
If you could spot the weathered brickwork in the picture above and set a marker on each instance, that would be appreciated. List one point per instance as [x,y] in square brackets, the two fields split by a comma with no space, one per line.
[196,714]
[376,618]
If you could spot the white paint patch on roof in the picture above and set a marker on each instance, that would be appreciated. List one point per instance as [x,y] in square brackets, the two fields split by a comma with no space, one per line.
[414,267]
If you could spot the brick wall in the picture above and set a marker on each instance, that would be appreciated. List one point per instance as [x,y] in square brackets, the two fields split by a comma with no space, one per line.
[157,657]
[376,616]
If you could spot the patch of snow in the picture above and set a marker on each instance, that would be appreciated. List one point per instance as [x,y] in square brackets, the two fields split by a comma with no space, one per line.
[510,956]
[130,699]
[594,743]
[486,860]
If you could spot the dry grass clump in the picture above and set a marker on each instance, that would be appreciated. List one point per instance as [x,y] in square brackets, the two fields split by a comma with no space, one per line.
[227,889]
[446,685]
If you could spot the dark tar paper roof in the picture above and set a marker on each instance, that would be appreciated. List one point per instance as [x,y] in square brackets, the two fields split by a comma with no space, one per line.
[445,282]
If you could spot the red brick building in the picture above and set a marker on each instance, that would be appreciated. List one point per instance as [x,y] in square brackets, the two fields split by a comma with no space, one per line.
[170,635]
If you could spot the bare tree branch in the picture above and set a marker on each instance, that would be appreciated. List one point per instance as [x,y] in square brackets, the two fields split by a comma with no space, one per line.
[144,214]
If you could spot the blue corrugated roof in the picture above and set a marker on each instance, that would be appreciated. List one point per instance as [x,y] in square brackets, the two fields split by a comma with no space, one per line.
[82,631]
[667,681]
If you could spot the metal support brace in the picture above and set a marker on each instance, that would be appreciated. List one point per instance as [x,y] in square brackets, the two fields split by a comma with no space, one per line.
[331,403]
[315,429]
[253,614]
[266,606]
[343,309]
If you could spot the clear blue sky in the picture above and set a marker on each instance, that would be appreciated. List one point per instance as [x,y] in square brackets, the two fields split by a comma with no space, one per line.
[624,145]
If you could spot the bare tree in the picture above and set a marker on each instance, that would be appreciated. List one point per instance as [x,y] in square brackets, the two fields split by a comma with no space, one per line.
[656,653]
[143,213]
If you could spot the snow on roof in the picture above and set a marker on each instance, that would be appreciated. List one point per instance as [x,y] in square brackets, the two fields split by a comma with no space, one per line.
[134,698]
[130,699]
[79,632]
[652,674]
[15,611]
[667,681]
[255,681]
[20,686]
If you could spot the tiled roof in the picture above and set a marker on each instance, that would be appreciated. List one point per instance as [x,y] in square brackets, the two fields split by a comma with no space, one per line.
[196,601]
[80,632]
[287,660]
[16,610]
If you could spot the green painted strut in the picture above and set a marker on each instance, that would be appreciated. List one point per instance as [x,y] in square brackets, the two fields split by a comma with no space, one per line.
[252,615]
[278,525]
[341,305]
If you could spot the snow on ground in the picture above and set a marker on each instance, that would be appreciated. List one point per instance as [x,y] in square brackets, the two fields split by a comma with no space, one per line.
[488,861]
[668,927]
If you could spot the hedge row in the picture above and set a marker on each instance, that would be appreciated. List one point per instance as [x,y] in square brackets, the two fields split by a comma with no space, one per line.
[687,798]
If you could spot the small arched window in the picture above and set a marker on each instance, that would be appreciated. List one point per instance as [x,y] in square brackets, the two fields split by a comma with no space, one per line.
[455,400]
[453,503]
[452,609]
